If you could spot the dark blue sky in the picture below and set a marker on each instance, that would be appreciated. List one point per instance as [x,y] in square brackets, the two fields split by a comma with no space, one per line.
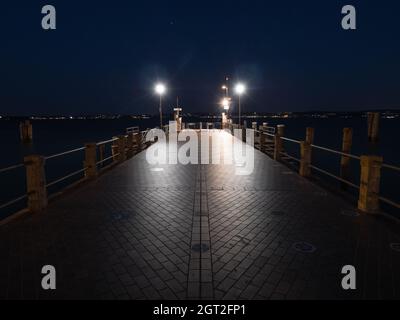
[106,56]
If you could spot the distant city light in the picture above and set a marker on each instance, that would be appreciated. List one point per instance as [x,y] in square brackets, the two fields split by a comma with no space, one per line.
[160,88]
[240,88]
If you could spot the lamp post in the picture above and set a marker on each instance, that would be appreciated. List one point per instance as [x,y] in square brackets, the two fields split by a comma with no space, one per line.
[240,89]
[160,90]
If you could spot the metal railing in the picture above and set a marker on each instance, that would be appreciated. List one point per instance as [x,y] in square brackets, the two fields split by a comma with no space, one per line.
[74,173]
[320,170]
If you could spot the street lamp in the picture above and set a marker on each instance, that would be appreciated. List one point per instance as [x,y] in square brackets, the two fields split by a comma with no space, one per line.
[225,103]
[160,90]
[239,90]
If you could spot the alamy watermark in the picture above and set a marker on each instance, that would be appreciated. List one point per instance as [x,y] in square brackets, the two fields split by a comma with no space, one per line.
[204,147]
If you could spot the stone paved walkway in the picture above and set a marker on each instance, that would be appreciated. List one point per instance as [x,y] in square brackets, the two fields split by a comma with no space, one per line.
[199,231]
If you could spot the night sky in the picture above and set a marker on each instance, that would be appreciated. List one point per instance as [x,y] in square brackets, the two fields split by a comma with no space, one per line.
[105,57]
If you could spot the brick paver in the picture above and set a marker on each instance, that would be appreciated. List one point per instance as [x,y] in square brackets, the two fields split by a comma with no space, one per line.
[200,232]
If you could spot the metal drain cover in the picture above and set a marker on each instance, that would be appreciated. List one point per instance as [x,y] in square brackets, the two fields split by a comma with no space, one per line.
[119,215]
[200,247]
[350,213]
[304,247]
[395,246]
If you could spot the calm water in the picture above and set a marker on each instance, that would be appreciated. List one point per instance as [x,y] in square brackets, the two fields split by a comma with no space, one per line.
[53,136]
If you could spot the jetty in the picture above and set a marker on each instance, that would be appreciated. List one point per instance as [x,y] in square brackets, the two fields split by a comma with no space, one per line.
[127,229]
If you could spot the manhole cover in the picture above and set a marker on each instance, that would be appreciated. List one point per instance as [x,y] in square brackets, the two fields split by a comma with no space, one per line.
[119,215]
[395,246]
[350,213]
[304,247]
[200,247]
[157,169]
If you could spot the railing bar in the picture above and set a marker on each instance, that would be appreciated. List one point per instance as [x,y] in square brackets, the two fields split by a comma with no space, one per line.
[108,158]
[65,177]
[390,167]
[106,141]
[64,153]
[337,152]
[390,202]
[13,201]
[289,156]
[292,140]
[335,177]
[11,167]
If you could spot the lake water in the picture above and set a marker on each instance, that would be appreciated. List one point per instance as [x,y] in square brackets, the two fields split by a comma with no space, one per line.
[54,136]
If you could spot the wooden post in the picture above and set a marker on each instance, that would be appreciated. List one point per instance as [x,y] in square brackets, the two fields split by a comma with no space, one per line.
[90,162]
[254,125]
[25,131]
[138,141]
[121,143]
[36,183]
[101,153]
[278,141]
[305,161]
[345,161]
[262,141]
[310,135]
[368,200]
[130,145]
[373,126]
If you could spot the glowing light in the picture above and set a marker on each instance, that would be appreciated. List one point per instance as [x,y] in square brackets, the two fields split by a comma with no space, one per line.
[240,88]
[225,103]
[160,88]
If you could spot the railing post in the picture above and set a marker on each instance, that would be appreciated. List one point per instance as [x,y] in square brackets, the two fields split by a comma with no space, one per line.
[121,143]
[262,141]
[101,154]
[305,161]
[278,141]
[90,162]
[344,160]
[138,141]
[310,135]
[25,131]
[130,145]
[254,125]
[373,126]
[368,200]
[36,183]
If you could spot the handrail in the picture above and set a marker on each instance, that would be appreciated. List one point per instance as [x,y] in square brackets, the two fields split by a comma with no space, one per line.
[106,141]
[65,177]
[291,140]
[388,166]
[64,153]
[394,204]
[11,167]
[337,152]
[334,176]
[9,203]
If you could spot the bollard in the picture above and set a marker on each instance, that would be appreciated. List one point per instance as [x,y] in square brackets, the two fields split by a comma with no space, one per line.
[130,145]
[278,141]
[344,160]
[373,126]
[305,161]
[36,183]
[90,162]
[368,200]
